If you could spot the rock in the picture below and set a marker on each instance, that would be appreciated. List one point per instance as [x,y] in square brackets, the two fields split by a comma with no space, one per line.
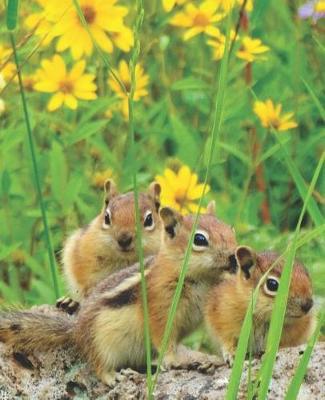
[59,375]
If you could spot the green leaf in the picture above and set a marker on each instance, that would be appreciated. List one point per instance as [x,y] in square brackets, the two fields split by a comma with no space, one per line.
[85,131]
[58,171]
[189,84]
[301,370]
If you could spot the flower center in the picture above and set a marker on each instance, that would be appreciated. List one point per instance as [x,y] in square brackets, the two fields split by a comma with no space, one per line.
[274,123]
[180,197]
[201,20]
[66,87]
[89,14]
[127,85]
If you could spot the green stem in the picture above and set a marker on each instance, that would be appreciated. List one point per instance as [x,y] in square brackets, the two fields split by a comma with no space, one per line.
[215,134]
[36,173]
[132,66]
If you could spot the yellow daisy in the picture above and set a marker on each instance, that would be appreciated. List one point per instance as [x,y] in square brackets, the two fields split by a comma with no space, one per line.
[123,39]
[229,4]
[168,5]
[218,43]
[67,87]
[40,24]
[180,190]
[7,68]
[319,7]
[251,49]
[102,16]
[101,177]
[270,116]
[198,19]
[141,83]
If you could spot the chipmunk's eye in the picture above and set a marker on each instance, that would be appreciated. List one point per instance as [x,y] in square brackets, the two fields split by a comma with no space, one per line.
[201,241]
[148,221]
[107,219]
[271,285]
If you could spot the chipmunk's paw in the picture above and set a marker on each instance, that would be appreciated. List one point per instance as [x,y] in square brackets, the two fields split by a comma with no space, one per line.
[109,378]
[128,373]
[228,358]
[67,305]
[189,359]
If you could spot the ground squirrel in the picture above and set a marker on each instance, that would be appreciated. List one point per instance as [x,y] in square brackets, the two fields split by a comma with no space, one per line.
[227,303]
[108,330]
[107,244]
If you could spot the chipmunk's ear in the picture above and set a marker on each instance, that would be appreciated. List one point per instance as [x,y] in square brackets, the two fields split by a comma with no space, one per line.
[246,259]
[154,191]
[171,220]
[211,208]
[110,190]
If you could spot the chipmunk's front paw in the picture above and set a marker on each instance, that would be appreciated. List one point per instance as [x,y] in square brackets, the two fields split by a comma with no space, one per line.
[128,373]
[228,358]
[189,359]
[108,378]
[68,305]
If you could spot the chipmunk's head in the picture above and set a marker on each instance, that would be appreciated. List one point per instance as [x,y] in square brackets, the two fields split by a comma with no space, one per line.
[118,220]
[213,242]
[252,267]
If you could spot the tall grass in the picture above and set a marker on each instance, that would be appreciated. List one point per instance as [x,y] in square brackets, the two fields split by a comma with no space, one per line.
[11,24]
[278,313]
[132,66]
[214,137]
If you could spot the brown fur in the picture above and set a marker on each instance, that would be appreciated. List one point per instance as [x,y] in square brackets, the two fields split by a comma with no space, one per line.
[93,252]
[227,305]
[108,330]
[115,337]
[28,330]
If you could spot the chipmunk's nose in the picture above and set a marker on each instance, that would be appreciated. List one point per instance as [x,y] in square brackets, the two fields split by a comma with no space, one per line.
[124,241]
[307,305]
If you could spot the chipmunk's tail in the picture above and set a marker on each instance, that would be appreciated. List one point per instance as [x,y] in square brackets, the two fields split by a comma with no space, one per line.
[28,330]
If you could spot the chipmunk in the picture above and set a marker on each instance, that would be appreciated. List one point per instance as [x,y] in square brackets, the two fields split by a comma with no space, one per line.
[108,331]
[107,244]
[227,303]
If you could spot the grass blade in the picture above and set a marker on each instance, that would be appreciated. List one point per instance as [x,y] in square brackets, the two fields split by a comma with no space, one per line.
[278,313]
[36,174]
[132,66]
[241,350]
[300,373]
[316,101]
[214,137]
[12,14]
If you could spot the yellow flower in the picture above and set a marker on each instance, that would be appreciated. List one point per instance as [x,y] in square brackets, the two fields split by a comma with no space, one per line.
[101,177]
[319,7]
[251,49]
[40,24]
[197,19]
[269,115]
[168,5]
[67,86]
[227,5]
[123,39]
[180,190]
[218,43]
[141,83]
[7,68]
[102,16]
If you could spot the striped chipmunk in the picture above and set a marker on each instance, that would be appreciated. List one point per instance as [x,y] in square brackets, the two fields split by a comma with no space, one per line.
[107,244]
[108,331]
[227,303]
